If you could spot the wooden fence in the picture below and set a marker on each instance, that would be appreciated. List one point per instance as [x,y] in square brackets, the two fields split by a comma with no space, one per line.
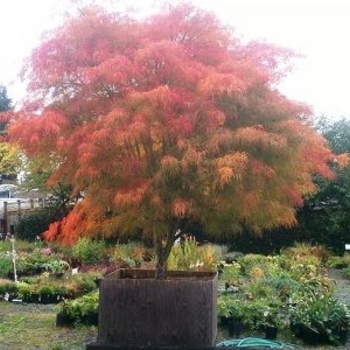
[11,210]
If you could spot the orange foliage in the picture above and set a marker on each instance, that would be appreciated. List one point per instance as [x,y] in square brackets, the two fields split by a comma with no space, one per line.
[75,223]
[180,208]
[165,119]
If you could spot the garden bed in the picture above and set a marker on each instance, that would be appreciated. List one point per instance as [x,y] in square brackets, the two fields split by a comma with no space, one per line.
[32,327]
[259,273]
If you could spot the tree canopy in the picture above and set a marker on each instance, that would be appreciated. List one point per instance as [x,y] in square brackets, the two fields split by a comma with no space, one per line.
[164,121]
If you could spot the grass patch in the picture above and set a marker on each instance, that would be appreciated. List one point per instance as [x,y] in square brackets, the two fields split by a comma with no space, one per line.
[31,326]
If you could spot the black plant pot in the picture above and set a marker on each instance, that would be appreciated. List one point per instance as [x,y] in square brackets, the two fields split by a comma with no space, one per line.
[224,321]
[33,298]
[308,335]
[91,319]
[343,335]
[271,332]
[235,327]
[46,299]
[63,320]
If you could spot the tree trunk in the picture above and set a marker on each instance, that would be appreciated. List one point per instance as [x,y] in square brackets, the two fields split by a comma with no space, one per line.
[161,267]
[163,246]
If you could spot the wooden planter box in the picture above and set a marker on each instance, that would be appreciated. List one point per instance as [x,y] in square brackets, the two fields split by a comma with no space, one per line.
[135,310]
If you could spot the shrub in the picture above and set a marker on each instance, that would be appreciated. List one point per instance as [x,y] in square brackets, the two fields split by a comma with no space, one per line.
[9,287]
[83,310]
[6,266]
[49,293]
[346,272]
[232,274]
[24,290]
[324,316]
[132,253]
[188,255]
[31,226]
[79,284]
[26,246]
[56,266]
[339,262]
[257,265]
[88,251]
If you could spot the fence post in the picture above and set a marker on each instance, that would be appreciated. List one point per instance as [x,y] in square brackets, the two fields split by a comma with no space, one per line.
[18,209]
[6,218]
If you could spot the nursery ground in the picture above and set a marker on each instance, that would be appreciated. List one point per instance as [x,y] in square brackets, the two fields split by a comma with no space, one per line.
[32,326]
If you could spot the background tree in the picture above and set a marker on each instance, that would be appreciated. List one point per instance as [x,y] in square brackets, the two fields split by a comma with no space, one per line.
[5,106]
[9,154]
[166,121]
[5,101]
[37,171]
[10,162]
[325,216]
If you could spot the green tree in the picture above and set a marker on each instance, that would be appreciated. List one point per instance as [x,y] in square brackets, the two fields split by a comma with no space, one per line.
[165,121]
[10,162]
[37,173]
[9,154]
[5,101]
[324,218]
[329,208]
[5,105]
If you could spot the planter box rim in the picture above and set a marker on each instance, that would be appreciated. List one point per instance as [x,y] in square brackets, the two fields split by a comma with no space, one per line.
[149,274]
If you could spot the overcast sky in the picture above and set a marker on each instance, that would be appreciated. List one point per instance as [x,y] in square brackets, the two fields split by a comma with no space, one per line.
[318,29]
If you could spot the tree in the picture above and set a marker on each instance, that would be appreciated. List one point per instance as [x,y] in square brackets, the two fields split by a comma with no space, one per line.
[5,101]
[5,106]
[324,217]
[165,121]
[327,212]
[37,171]
[337,191]
[9,160]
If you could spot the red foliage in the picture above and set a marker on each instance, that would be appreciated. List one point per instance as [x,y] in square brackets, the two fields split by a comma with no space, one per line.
[167,118]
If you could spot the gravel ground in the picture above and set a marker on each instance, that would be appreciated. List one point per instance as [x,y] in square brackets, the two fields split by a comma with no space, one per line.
[342,285]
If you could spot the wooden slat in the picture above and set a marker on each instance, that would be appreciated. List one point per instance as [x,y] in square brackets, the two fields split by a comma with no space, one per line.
[146,311]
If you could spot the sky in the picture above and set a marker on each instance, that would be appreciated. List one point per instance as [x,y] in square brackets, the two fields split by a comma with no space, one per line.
[317,29]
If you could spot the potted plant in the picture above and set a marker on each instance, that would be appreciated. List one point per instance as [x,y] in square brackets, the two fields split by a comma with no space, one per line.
[231,313]
[83,310]
[46,293]
[273,318]
[156,124]
[323,320]
[57,267]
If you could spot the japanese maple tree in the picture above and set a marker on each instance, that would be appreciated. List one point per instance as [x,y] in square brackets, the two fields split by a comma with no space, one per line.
[164,121]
